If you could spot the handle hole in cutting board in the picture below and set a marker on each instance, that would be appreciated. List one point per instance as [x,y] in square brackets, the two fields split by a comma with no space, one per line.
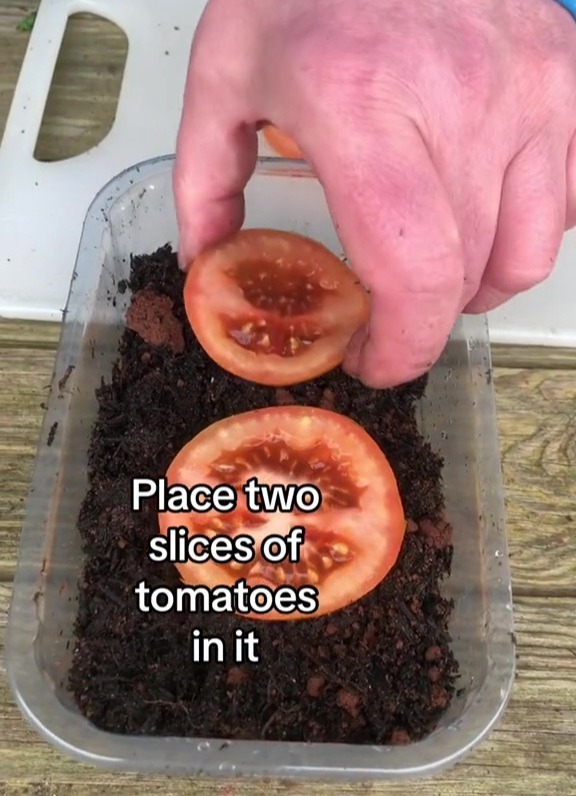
[83,96]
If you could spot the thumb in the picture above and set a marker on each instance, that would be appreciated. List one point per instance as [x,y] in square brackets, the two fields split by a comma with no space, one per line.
[217,141]
[396,225]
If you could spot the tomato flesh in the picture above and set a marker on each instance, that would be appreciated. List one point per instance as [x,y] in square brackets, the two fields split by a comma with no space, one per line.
[274,307]
[351,541]
[282,143]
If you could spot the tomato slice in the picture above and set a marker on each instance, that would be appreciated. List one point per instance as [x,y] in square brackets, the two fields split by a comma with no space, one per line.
[282,143]
[273,307]
[351,541]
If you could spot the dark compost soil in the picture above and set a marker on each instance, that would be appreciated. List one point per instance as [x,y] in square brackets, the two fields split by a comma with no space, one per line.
[379,671]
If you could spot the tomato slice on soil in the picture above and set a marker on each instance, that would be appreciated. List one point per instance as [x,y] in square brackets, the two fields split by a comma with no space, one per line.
[351,541]
[282,143]
[273,307]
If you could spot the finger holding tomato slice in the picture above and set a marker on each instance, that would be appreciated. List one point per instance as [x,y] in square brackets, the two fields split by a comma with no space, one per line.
[274,307]
[352,540]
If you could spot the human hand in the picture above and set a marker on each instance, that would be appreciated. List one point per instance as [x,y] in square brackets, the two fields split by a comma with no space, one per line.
[442,134]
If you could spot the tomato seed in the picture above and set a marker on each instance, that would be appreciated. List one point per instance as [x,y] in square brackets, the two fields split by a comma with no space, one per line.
[266,288]
[224,469]
[313,576]
[340,552]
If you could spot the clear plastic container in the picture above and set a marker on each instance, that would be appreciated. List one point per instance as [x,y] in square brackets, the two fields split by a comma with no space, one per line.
[135,214]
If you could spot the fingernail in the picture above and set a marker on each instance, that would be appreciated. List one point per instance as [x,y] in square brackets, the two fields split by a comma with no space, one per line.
[182,262]
[350,369]
[185,254]
[351,364]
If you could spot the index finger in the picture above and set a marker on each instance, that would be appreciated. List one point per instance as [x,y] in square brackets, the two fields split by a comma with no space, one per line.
[217,143]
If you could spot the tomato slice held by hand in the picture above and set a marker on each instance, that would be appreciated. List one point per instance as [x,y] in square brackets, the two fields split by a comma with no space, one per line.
[282,143]
[273,307]
[351,541]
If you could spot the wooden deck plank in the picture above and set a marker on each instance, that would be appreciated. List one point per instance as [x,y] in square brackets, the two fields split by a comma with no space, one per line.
[537,423]
[541,357]
[37,335]
[25,376]
[13,44]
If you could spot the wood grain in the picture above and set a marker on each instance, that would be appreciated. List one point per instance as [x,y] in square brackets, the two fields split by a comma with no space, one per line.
[81,105]
[39,335]
[25,376]
[537,423]
[13,46]
[542,357]
[536,738]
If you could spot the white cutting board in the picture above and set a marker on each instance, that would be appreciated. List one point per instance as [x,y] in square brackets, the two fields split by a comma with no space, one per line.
[42,205]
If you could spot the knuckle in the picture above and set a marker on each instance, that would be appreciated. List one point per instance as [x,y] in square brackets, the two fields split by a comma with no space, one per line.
[517,277]
[548,88]
[556,77]
[317,72]
[474,55]
[344,74]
